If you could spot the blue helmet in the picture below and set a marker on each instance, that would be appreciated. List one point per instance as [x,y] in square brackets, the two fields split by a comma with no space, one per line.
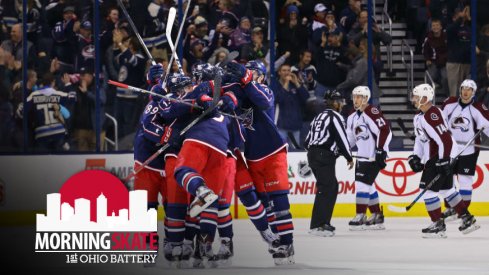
[256,65]
[204,72]
[178,81]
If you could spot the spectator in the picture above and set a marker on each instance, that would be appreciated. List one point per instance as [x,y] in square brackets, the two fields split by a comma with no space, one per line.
[155,18]
[348,16]
[482,48]
[292,35]
[290,99]
[318,23]
[443,10]
[241,35]
[84,118]
[305,71]
[483,81]
[458,42]
[14,47]
[357,75]
[257,49]
[85,47]
[332,63]
[435,54]
[132,66]
[7,125]
[219,55]
[64,34]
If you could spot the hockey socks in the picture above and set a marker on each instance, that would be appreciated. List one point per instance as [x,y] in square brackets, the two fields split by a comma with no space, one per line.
[283,222]
[465,191]
[224,222]
[254,208]
[268,204]
[208,220]
[362,200]
[189,179]
[175,223]
[433,206]
[455,201]
[373,203]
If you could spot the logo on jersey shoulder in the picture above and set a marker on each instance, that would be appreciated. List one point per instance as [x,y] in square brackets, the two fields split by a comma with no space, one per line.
[434,116]
[461,123]
[421,135]
[361,132]
[375,111]
[303,169]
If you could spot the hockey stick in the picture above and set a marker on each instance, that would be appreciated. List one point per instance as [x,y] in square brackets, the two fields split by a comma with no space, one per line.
[215,104]
[476,145]
[406,132]
[169,25]
[399,209]
[135,30]
[168,37]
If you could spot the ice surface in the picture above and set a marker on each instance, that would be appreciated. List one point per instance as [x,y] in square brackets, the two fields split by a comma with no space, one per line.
[399,249]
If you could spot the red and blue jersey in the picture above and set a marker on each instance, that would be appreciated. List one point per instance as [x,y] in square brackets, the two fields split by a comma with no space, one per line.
[211,131]
[262,138]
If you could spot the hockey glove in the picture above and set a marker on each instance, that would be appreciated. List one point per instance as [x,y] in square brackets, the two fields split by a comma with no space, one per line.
[172,137]
[154,74]
[205,102]
[443,167]
[239,73]
[380,156]
[415,163]
[229,102]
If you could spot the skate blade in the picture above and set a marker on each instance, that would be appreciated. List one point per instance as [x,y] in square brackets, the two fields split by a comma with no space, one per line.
[471,229]
[321,233]
[439,235]
[197,209]
[284,261]
[375,227]
[357,228]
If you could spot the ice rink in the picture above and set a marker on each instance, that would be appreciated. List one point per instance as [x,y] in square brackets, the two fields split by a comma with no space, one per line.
[399,249]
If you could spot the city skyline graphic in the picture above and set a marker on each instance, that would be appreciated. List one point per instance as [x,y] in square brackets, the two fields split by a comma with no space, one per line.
[64,217]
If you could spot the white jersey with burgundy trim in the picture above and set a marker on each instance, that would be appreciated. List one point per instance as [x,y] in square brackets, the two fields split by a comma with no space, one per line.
[368,130]
[465,121]
[431,128]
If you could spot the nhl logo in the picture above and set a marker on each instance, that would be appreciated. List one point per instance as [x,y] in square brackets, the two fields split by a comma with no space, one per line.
[304,170]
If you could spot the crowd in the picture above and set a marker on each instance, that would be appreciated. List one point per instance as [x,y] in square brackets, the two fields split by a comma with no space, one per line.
[320,46]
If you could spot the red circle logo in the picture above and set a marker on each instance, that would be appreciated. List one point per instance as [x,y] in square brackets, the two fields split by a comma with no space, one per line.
[399,175]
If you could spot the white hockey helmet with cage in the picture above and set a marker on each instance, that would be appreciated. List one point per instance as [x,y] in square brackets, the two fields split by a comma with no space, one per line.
[361,91]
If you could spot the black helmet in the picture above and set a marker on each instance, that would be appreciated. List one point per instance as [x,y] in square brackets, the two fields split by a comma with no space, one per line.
[332,95]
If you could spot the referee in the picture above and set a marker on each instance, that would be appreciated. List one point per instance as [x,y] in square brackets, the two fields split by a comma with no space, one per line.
[325,141]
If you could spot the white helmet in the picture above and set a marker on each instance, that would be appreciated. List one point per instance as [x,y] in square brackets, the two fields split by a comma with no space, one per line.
[362,91]
[469,83]
[424,90]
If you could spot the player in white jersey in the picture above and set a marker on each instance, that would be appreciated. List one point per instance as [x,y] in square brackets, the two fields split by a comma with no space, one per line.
[434,148]
[369,131]
[465,117]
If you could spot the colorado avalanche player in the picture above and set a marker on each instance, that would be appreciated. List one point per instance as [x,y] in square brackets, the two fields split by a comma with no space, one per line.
[369,131]
[433,138]
[465,117]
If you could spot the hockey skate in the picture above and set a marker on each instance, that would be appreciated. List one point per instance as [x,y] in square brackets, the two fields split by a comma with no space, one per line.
[272,239]
[435,230]
[226,252]
[198,262]
[284,255]
[206,252]
[468,224]
[358,222]
[375,222]
[205,197]
[324,230]
[187,251]
[173,254]
[449,214]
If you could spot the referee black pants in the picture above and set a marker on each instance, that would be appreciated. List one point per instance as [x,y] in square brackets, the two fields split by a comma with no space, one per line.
[322,163]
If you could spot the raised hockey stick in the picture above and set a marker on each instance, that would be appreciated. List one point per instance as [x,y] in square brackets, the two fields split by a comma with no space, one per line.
[215,104]
[399,209]
[168,37]
[135,30]
[406,132]
[169,25]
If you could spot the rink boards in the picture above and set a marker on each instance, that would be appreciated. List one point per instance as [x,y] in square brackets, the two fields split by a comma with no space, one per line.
[25,181]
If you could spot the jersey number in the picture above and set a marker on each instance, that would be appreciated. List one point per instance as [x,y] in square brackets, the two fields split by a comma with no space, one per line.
[380,122]
[441,129]
[48,113]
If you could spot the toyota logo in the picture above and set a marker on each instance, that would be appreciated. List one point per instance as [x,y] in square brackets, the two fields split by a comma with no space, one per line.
[399,176]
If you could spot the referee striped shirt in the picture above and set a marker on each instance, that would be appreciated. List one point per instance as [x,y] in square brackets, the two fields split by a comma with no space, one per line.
[327,131]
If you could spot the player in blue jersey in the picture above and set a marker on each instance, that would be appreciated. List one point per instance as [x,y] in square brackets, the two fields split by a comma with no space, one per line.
[267,161]
[45,106]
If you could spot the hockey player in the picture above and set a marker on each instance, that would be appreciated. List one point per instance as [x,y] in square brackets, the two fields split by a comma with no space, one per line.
[267,161]
[434,147]
[465,117]
[369,131]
